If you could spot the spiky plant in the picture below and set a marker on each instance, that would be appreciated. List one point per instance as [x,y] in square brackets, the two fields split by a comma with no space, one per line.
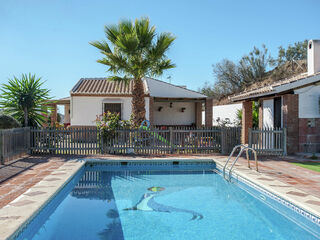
[25,100]
[133,50]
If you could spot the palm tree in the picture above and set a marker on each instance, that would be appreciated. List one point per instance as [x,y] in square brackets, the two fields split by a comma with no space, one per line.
[135,51]
[25,100]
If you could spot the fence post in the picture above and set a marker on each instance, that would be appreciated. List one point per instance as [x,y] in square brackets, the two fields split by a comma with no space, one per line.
[284,141]
[223,141]
[250,137]
[1,148]
[28,139]
[101,142]
[171,139]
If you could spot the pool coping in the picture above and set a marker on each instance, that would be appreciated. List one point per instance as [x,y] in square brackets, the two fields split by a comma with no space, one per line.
[18,213]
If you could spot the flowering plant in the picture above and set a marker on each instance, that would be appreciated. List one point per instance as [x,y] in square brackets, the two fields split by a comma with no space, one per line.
[108,123]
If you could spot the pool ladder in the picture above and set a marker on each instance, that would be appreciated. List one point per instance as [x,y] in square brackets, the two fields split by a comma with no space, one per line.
[243,148]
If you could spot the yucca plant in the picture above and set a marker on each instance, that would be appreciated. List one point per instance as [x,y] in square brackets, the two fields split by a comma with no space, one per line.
[25,100]
[133,50]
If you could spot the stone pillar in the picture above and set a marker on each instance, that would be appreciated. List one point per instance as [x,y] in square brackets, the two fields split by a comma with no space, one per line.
[246,121]
[260,114]
[208,112]
[151,101]
[198,114]
[290,110]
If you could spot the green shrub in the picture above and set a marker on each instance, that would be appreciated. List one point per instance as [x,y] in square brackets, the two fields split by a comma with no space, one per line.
[108,123]
[7,121]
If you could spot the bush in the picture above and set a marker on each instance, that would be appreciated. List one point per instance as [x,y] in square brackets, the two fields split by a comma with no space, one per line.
[7,121]
[108,123]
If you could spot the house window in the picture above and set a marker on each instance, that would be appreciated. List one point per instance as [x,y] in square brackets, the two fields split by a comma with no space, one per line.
[113,108]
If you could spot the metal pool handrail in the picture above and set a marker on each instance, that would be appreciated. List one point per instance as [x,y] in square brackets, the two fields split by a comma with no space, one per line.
[242,148]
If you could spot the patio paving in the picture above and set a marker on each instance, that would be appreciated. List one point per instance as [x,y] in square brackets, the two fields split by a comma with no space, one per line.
[17,177]
[281,169]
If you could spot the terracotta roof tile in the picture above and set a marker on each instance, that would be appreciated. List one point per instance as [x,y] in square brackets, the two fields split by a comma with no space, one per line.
[152,87]
[99,86]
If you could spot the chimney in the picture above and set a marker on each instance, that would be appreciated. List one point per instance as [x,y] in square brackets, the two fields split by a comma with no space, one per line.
[313,57]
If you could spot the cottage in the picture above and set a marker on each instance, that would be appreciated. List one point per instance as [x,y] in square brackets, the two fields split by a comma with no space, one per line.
[292,103]
[166,104]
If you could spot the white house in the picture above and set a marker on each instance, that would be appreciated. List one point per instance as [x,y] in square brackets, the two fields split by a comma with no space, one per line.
[293,103]
[166,104]
[224,113]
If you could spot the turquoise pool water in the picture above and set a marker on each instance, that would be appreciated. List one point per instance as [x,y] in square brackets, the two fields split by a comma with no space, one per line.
[184,202]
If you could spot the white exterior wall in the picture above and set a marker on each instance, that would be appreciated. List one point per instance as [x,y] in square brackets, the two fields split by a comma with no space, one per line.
[268,113]
[174,116]
[84,109]
[223,112]
[309,98]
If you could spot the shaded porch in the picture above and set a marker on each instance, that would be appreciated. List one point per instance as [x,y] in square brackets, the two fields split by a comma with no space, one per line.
[65,102]
[179,112]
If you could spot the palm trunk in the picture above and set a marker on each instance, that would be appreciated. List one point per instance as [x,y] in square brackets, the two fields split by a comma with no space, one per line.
[138,103]
[26,117]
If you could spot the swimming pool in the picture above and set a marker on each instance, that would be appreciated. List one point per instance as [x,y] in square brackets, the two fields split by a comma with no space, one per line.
[164,200]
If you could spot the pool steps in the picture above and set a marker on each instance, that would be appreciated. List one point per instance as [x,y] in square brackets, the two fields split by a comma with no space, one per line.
[242,149]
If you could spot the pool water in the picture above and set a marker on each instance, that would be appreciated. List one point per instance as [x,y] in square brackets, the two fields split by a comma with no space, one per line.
[178,203]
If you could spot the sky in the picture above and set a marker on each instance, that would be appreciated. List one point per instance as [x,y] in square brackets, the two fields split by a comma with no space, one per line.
[51,37]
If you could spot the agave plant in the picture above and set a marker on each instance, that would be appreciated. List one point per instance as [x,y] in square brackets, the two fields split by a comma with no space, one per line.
[25,100]
[134,51]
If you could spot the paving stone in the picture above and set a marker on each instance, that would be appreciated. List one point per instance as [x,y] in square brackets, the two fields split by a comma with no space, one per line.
[52,179]
[10,217]
[22,203]
[300,194]
[313,202]
[266,179]
[34,193]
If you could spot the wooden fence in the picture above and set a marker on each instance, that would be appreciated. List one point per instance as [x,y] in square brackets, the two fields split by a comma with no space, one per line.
[139,141]
[65,141]
[173,140]
[14,143]
[154,142]
[268,141]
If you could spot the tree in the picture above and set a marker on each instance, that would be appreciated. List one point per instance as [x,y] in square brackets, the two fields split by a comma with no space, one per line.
[253,66]
[134,51]
[234,77]
[25,99]
[297,51]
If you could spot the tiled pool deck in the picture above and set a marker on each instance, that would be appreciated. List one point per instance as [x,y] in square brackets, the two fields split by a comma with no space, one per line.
[28,183]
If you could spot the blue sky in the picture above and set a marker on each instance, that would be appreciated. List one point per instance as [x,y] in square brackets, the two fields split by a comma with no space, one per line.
[50,38]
